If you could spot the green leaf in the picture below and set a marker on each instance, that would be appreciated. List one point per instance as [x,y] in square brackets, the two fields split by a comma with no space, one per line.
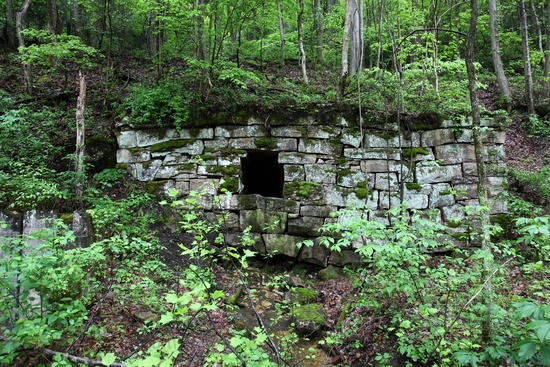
[167,318]
[527,349]
[108,359]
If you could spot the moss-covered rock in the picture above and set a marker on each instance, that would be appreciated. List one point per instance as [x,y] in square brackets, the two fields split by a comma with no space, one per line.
[266,143]
[171,144]
[309,318]
[330,272]
[302,189]
[410,153]
[303,296]
[413,186]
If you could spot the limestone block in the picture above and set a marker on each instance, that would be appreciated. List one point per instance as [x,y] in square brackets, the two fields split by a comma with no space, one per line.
[375,165]
[242,143]
[492,122]
[455,212]
[145,171]
[373,141]
[386,181]
[336,196]
[175,158]
[496,185]
[207,186]
[161,188]
[497,169]
[416,200]
[345,257]
[498,205]
[382,153]
[388,200]
[466,190]
[320,173]
[319,146]
[296,158]
[464,136]
[418,157]
[469,169]
[126,139]
[353,139]
[281,244]
[354,153]
[202,133]
[288,132]
[411,139]
[455,153]
[294,172]
[305,226]
[436,174]
[146,138]
[229,223]
[437,137]
[351,178]
[262,221]
[240,131]
[323,131]
[182,187]
[194,148]
[215,145]
[235,239]
[437,199]
[494,153]
[132,156]
[281,205]
[252,201]
[165,172]
[35,221]
[83,228]
[321,211]
[315,254]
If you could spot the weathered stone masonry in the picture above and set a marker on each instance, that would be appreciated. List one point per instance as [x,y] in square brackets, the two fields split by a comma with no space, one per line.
[288,177]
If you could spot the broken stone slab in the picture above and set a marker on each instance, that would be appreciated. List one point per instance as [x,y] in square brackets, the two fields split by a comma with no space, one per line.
[436,174]
[455,153]
[146,171]
[305,226]
[432,138]
[83,229]
[262,221]
[316,254]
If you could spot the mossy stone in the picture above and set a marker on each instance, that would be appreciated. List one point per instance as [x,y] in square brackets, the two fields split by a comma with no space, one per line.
[230,184]
[266,143]
[309,318]
[171,144]
[303,296]
[303,189]
[330,272]
[412,152]
[152,187]
[231,151]
[413,186]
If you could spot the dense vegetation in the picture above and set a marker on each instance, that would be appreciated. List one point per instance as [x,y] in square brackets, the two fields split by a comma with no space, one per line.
[136,298]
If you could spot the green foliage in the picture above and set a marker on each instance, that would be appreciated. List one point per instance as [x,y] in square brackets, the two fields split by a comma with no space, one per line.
[535,233]
[536,127]
[164,104]
[51,49]
[44,289]
[535,348]
[534,183]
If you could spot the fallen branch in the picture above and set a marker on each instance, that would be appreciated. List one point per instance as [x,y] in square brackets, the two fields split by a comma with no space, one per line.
[70,357]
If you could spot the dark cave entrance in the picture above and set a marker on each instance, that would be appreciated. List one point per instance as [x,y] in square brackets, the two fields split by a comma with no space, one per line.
[262,174]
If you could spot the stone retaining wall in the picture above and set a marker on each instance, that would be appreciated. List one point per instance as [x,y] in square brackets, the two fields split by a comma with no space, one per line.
[287,177]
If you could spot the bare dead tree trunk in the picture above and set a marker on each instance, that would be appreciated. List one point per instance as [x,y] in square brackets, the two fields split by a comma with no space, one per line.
[487,326]
[281,31]
[301,42]
[527,74]
[27,73]
[80,137]
[502,80]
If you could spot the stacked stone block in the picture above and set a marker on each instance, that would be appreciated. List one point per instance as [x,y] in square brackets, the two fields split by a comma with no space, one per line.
[326,168]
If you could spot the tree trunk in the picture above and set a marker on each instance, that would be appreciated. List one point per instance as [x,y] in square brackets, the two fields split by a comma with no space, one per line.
[76,19]
[537,24]
[281,31]
[345,51]
[502,80]
[528,76]
[80,137]
[356,37]
[318,24]
[487,327]
[301,42]
[27,73]
[547,53]
[10,24]
[52,17]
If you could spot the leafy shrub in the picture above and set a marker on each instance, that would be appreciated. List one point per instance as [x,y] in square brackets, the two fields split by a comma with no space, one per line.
[164,104]
[533,183]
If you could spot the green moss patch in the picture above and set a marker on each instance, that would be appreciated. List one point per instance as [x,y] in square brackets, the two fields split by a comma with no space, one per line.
[413,152]
[172,144]
[230,184]
[303,296]
[413,186]
[224,170]
[266,143]
[152,187]
[312,313]
[303,189]
[231,151]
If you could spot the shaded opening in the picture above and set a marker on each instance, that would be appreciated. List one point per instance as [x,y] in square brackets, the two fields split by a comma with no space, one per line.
[262,174]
